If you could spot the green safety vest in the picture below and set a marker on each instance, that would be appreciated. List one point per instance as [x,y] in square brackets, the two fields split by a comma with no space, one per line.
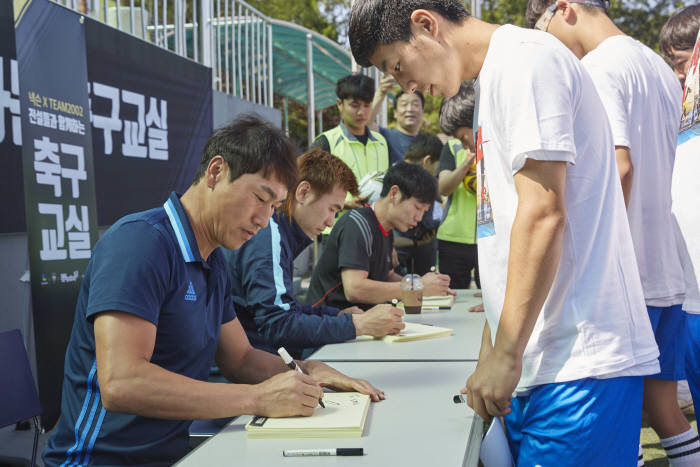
[362,159]
[459,223]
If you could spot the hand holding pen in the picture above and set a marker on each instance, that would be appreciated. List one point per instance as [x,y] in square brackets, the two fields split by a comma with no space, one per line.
[292,365]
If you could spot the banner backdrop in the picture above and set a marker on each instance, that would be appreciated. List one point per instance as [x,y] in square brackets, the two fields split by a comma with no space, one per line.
[11,186]
[59,186]
[151,117]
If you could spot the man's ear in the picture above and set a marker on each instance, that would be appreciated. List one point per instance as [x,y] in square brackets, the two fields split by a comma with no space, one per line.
[567,11]
[217,170]
[339,103]
[426,161]
[425,21]
[395,194]
[303,192]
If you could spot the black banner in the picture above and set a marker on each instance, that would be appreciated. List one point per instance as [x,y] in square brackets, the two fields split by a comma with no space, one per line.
[59,184]
[11,186]
[151,117]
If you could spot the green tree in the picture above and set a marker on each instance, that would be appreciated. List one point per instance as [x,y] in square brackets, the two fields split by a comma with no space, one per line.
[302,12]
[641,19]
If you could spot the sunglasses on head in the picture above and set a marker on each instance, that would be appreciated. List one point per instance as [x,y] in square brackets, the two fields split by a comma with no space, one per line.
[543,23]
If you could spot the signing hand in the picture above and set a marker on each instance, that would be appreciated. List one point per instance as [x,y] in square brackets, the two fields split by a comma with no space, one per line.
[435,283]
[490,388]
[287,394]
[333,379]
[379,321]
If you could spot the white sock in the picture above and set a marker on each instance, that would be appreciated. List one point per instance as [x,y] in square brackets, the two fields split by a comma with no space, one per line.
[683,450]
[640,459]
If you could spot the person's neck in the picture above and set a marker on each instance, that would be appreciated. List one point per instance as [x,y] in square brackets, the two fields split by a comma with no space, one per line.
[408,131]
[472,38]
[295,216]
[593,30]
[381,210]
[356,131]
[194,205]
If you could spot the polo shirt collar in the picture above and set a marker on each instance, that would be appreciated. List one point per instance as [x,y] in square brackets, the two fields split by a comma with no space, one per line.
[298,240]
[352,137]
[182,228]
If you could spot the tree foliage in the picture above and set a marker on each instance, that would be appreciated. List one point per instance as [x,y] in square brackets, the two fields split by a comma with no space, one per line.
[641,19]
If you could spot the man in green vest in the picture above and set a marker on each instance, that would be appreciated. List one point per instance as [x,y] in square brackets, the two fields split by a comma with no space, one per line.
[456,178]
[363,150]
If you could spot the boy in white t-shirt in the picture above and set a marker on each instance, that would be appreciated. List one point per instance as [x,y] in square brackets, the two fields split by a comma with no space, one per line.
[567,340]
[642,101]
[680,44]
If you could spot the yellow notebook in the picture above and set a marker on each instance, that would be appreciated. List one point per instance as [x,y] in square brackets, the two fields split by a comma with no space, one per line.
[413,332]
[344,417]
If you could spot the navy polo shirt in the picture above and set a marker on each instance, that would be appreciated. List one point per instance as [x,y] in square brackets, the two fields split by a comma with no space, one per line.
[146,264]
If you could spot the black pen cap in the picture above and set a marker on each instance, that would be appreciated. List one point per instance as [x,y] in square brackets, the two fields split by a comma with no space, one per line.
[349,452]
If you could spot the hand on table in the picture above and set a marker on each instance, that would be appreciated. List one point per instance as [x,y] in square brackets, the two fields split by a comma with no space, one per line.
[435,283]
[490,388]
[379,321]
[477,308]
[331,378]
[287,394]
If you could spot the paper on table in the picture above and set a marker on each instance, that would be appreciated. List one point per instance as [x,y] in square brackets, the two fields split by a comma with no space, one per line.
[495,451]
[413,332]
[343,417]
[439,300]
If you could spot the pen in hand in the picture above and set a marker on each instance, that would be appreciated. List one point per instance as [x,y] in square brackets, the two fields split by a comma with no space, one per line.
[292,365]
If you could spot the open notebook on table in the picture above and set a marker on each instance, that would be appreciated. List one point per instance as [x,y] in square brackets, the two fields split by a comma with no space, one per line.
[413,332]
[344,417]
[442,301]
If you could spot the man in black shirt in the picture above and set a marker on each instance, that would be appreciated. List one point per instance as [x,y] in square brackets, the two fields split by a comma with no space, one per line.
[355,267]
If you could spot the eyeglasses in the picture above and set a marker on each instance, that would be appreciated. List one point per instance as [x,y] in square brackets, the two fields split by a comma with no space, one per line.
[543,23]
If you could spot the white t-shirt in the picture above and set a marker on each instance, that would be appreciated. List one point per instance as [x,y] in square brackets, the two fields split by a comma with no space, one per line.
[685,190]
[642,99]
[536,101]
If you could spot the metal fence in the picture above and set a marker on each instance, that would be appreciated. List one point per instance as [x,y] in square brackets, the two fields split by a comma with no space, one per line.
[230,36]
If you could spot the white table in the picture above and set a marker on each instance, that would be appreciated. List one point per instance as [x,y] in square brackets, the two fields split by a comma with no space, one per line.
[417,424]
[462,345]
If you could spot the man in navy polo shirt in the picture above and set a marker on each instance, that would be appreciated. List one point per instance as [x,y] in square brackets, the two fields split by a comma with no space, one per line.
[155,309]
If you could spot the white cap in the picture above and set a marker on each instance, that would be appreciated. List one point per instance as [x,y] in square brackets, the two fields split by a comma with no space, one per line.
[285,355]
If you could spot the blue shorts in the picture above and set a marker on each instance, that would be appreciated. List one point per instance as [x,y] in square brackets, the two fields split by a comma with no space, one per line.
[692,356]
[669,328]
[582,422]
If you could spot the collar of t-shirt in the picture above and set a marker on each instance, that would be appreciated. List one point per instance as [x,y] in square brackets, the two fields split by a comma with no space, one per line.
[361,138]
[384,232]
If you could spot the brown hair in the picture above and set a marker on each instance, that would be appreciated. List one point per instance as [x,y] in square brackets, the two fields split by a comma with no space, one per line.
[680,31]
[324,172]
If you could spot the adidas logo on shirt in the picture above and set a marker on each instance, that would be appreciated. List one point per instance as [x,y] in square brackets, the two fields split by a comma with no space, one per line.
[190,296]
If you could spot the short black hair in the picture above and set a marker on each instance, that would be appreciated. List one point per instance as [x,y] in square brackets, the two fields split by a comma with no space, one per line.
[250,145]
[355,86]
[417,92]
[681,30]
[458,111]
[536,8]
[423,144]
[382,22]
[413,181]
